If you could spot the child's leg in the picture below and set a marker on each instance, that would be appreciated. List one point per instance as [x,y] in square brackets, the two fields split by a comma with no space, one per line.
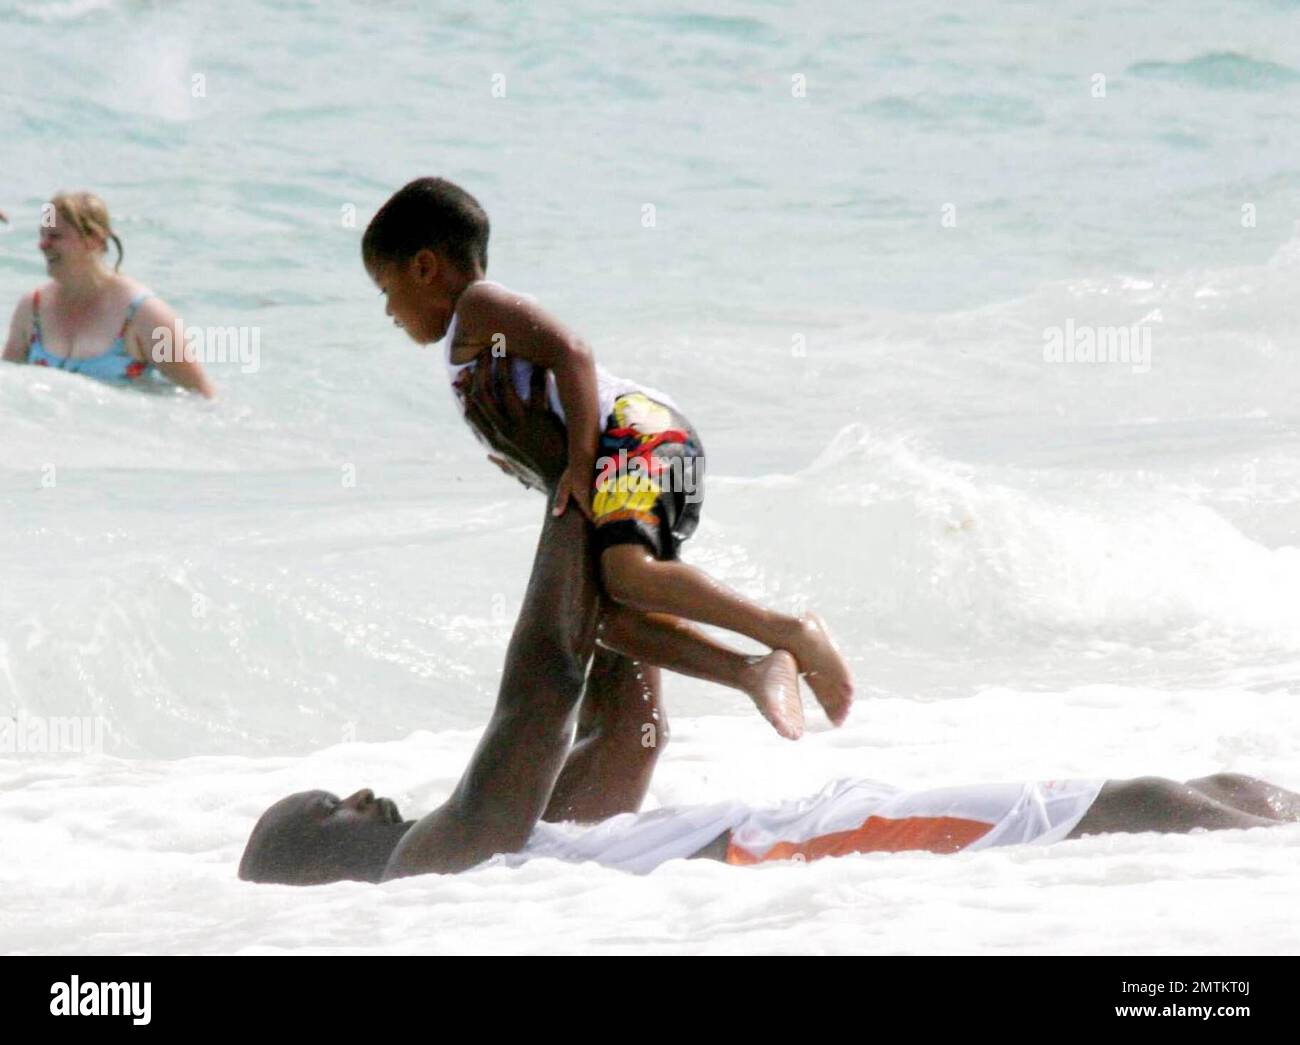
[633,577]
[771,681]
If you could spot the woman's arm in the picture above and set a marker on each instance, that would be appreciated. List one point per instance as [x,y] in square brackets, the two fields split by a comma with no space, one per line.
[154,317]
[20,331]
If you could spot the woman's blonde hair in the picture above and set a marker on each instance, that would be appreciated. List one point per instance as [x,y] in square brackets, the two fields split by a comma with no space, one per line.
[88,214]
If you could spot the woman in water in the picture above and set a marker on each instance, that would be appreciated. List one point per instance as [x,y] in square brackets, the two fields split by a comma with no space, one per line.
[90,319]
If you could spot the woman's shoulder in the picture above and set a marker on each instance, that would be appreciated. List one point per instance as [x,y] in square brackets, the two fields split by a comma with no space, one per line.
[27,303]
[141,304]
[121,293]
[44,293]
[132,290]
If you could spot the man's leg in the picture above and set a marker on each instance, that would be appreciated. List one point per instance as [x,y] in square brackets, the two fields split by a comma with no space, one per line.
[1164,806]
[1250,795]
[622,728]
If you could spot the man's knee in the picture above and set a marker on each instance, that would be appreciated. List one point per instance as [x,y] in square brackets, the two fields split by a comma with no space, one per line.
[616,623]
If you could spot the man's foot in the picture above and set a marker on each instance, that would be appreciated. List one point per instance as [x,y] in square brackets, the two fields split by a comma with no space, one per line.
[772,683]
[824,669]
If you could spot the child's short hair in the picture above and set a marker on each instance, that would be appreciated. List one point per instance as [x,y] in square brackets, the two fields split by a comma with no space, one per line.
[432,213]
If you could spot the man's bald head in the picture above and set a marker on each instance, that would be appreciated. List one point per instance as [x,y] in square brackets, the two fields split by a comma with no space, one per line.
[312,838]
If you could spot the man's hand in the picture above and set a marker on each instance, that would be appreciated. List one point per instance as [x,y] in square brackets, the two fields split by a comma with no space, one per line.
[513,470]
[529,440]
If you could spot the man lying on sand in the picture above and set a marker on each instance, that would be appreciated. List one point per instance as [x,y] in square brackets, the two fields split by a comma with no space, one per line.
[525,768]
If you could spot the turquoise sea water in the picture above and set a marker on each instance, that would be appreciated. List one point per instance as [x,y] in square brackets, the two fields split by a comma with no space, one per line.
[864,220]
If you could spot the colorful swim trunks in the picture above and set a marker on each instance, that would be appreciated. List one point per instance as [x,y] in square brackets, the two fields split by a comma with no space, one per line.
[649,484]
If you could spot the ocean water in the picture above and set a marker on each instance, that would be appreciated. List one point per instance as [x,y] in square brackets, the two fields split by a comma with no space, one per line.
[844,240]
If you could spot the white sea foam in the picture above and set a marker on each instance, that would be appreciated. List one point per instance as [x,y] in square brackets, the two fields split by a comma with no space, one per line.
[140,856]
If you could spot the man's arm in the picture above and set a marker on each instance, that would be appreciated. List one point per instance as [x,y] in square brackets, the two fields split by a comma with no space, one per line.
[527,435]
[622,725]
[510,776]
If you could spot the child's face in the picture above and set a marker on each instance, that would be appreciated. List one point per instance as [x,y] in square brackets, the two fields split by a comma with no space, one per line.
[411,294]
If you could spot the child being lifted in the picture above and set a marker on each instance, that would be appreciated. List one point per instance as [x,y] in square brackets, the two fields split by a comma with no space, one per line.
[635,464]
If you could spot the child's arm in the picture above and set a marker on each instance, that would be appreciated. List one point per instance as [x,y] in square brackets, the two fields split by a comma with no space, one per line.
[492,316]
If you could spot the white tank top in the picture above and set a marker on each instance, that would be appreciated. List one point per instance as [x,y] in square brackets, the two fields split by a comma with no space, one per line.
[608,386]
[993,815]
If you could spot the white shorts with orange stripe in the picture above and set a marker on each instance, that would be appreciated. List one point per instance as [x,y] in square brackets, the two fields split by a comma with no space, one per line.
[848,816]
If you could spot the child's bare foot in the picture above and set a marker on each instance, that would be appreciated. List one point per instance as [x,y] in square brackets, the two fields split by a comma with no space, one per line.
[772,682]
[824,669]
